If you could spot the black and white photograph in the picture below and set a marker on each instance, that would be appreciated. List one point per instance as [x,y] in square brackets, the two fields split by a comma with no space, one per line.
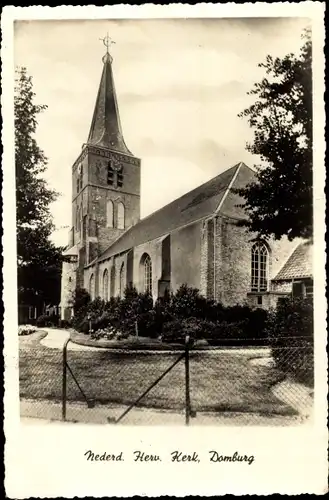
[168,224]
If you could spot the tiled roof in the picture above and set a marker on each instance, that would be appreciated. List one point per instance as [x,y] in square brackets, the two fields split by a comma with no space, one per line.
[299,264]
[195,205]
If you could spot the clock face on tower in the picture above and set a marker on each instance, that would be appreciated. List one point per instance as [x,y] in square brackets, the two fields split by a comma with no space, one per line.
[115,164]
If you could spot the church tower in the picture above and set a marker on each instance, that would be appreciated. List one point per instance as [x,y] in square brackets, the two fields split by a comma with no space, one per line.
[105,182]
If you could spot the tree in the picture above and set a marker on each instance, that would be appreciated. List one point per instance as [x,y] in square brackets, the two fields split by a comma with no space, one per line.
[38,259]
[279,201]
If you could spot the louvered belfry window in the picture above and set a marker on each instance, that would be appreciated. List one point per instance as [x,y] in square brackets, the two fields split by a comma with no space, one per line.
[259,267]
[120,177]
[110,174]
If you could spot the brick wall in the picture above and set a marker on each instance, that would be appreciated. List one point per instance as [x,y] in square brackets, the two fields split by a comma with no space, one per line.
[282,286]
[268,300]
[68,285]
[226,261]
[232,263]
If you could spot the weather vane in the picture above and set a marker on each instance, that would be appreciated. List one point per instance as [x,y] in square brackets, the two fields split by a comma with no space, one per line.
[107,41]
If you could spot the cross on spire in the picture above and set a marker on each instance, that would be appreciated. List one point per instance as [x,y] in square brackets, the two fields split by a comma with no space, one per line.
[107,41]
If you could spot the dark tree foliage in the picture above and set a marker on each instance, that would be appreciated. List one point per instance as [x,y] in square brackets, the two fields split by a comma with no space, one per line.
[38,259]
[279,202]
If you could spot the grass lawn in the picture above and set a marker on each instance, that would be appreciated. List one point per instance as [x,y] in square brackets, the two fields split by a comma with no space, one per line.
[220,381]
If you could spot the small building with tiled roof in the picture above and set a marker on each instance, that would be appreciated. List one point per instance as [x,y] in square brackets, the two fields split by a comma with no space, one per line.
[296,275]
[194,240]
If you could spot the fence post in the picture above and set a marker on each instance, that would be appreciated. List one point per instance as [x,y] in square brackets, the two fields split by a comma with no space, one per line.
[64,390]
[187,381]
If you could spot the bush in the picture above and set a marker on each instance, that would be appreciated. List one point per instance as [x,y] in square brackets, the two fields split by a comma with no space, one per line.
[83,326]
[187,302]
[176,331]
[239,322]
[227,334]
[292,321]
[148,325]
[136,307]
[102,322]
[47,321]
[291,336]
[80,300]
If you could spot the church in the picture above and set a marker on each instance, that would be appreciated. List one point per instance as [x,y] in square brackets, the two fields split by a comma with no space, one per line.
[194,240]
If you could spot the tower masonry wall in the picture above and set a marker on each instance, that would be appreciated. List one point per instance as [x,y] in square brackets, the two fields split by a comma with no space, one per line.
[98,167]
[68,285]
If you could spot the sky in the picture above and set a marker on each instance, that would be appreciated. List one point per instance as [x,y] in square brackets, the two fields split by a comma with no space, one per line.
[180,85]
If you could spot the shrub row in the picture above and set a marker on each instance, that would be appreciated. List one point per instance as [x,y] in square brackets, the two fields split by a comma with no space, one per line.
[171,317]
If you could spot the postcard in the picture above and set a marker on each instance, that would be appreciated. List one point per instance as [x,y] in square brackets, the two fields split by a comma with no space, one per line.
[164,250]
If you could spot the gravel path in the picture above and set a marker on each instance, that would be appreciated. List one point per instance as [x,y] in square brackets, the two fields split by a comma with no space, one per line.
[56,338]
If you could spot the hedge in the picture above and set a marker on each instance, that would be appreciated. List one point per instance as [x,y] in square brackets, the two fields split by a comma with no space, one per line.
[171,317]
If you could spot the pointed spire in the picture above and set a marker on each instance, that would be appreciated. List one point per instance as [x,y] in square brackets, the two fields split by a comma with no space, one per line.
[105,127]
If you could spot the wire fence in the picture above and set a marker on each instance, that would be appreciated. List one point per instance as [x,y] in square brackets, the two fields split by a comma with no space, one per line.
[229,386]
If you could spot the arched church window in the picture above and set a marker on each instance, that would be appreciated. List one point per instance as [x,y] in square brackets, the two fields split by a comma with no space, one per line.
[122,280]
[106,285]
[146,271]
[92,287]
[110,174]
[121,215]
[109,213]
[259,267]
